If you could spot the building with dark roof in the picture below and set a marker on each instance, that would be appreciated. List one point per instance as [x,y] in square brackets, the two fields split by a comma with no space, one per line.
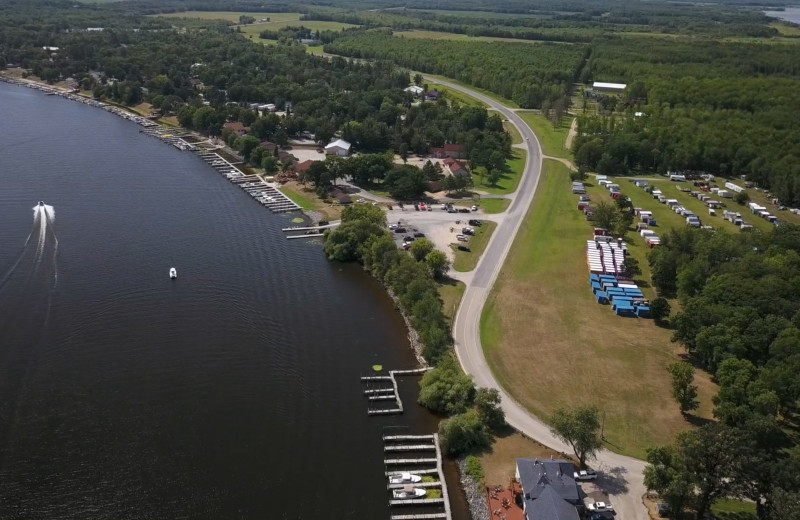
[549,489]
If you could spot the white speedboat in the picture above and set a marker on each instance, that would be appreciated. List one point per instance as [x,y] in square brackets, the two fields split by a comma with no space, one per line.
[408,492]
[173,273]
[404,478]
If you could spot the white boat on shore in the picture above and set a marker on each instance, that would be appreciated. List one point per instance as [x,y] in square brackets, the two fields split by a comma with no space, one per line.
[404,478]
[173,273]
[408,492]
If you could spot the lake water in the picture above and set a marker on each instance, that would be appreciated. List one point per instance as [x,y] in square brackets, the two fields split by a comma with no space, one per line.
[231,392]
[790,14]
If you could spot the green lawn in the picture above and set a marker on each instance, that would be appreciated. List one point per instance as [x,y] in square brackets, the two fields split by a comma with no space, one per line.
[729,509]
[451,291]
[456,95]
[509,181]
[551,139]
[786,30]
[541,323]
[466,261]
[516,138]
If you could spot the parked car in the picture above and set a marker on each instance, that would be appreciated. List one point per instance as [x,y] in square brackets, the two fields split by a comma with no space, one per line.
[464,248]
[462,238]
[408,239]
[407,246]
[419,235]
[393,226]
[468,231]
[585,474]
[476,223]
[474,208]
[463,210]
[399,230]
[597,507]
[663,509]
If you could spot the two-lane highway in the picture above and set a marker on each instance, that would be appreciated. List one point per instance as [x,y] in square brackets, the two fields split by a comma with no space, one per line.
[623,475]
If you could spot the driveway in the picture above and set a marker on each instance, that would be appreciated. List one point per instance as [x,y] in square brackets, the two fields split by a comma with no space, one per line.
[622,476]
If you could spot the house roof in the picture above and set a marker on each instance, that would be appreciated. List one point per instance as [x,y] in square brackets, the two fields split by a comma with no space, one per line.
[537,474]
[454,165]
[304,166]
[550,506]
[267,145]
[453,147]
[414,89]
[339,143]
[236,126]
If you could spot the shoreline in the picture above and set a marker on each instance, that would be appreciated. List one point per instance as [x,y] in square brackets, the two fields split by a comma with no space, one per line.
[415,343]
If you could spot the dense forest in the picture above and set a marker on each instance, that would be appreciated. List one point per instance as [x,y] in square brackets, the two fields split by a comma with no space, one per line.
[528,74]
[727,108]
[740,320]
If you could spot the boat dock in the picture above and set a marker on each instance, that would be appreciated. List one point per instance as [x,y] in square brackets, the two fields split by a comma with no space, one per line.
[430,466]
[387,393]
[266,194]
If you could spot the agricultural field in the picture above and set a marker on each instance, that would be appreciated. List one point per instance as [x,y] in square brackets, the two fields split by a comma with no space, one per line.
[276,21]
[588,353]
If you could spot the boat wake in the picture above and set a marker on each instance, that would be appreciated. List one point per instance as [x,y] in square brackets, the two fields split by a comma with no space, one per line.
[26,294]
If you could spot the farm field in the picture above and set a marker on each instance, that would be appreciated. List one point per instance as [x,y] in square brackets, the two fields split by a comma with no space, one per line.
[277,20]
[436,35]
[588,356]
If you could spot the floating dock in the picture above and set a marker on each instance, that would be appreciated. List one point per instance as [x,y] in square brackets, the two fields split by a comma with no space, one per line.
[387,393]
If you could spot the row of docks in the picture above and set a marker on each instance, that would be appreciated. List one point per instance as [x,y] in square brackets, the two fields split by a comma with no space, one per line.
[420,457]
[171,136]
[268,195]
[316,230]
[382,394]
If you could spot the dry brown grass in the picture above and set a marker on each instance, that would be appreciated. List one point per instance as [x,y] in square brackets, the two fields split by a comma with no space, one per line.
[499,464]
[552,346]
[308,200]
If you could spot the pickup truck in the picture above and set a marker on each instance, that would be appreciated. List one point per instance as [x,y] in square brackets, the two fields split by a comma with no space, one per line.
[585,474]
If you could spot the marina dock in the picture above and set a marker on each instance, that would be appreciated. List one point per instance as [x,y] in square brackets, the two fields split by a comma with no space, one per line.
[430,466]
[387,393]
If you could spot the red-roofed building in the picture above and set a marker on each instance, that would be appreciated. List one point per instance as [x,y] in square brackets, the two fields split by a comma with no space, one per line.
[268,146]
[455,151]
[237,127]
[456,167]
[303,166]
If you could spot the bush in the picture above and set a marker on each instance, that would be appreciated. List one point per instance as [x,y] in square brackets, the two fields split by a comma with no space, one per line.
[465,433]
[475,468]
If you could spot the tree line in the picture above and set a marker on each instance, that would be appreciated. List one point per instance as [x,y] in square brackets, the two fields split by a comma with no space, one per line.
[738,320]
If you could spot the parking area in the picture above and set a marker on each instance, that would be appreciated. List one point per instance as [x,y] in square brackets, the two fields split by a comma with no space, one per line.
[437,225]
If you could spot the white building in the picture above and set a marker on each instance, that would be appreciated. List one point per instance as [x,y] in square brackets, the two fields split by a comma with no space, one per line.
[600,86]
[414,90]
[338,147]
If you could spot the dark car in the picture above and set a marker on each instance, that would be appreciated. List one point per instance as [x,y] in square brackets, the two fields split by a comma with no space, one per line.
[463,210]
[452,210]
[408,239]
[419,235]
[400,230]
[475,223]
[323,223]
[464,248]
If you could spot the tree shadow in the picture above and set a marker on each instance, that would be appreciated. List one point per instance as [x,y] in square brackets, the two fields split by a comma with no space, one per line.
[613,481]
[448,281]
[696,421]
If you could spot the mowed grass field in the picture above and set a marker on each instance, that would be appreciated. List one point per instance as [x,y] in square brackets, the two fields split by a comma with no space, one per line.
[551,139]
[466,261]
[550,345]
[436,35]
[276,20]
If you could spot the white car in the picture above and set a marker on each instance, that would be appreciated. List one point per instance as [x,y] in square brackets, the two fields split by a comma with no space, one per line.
[585,474]
[598,507]
[462,238]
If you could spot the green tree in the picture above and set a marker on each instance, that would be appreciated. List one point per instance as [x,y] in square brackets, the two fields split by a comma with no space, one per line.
[364,212]
[630,267]
[463,434]
[580,428]
[446,389]
[683,389]
[494,177]
[742,198]
[245,145]
[438,263]
[346,243]
[420,248]
[666,475]
[270,164]
[605,215]
[487,404]
[660,309]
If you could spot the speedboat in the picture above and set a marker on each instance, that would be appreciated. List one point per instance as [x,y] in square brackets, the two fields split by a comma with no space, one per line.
[173,273]
[408,492]
[41,203]
[403,478]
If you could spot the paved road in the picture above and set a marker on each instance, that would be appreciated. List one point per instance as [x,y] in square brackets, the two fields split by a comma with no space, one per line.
[621,476]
